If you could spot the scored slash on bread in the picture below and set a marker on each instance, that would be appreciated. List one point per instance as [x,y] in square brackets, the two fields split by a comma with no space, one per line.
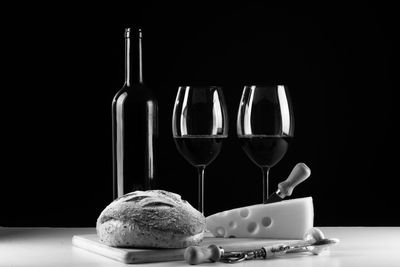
[153,218]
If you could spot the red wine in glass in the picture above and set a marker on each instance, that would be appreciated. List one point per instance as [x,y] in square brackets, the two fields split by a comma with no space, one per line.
[199,150]
[199,124]
[265,150]
[265,126]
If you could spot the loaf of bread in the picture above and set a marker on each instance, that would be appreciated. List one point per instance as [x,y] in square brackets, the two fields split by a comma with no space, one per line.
[153,218]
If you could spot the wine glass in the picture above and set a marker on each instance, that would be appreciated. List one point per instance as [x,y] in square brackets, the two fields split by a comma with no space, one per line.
[199,124]
[265,126]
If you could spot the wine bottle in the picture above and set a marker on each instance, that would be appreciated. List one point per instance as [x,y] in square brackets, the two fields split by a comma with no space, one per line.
[134,126]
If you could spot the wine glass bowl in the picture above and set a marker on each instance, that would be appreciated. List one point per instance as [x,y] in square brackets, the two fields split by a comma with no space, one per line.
[265,126]
[199,124]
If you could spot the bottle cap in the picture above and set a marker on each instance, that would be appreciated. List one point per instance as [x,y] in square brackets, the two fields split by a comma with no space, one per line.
[127,32]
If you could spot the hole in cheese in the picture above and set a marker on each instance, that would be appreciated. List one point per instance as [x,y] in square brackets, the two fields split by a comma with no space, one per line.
[220,231]
[232,224]
[252,227]
[266,221]
[244,212]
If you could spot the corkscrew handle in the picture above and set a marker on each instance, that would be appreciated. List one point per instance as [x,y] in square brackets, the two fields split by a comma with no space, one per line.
[196,255]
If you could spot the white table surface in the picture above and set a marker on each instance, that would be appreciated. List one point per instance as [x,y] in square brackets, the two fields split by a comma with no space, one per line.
[359,246]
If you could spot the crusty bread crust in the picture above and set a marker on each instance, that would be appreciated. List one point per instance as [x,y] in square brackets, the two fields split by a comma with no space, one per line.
[153,218]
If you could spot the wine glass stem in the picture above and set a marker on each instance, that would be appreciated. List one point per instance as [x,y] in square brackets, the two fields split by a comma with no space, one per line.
[265,172]
[200,204]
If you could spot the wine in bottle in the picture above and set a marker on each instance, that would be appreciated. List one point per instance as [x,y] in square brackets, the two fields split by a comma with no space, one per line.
[134,126]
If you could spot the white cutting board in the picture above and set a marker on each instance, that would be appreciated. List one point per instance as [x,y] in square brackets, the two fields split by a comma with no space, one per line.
[133,255]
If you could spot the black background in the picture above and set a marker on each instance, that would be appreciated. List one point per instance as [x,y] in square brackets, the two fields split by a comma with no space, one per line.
[64,65]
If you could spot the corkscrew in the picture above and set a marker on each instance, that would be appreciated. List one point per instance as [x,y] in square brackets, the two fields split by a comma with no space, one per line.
[314,242]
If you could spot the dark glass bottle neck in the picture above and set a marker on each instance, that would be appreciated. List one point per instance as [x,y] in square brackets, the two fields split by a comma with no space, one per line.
[133,68]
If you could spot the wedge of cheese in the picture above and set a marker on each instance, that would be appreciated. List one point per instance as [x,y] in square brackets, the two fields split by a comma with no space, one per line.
[289,219]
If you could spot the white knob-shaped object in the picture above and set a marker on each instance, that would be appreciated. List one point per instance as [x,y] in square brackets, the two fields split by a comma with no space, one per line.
[299,173]
[195,255]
